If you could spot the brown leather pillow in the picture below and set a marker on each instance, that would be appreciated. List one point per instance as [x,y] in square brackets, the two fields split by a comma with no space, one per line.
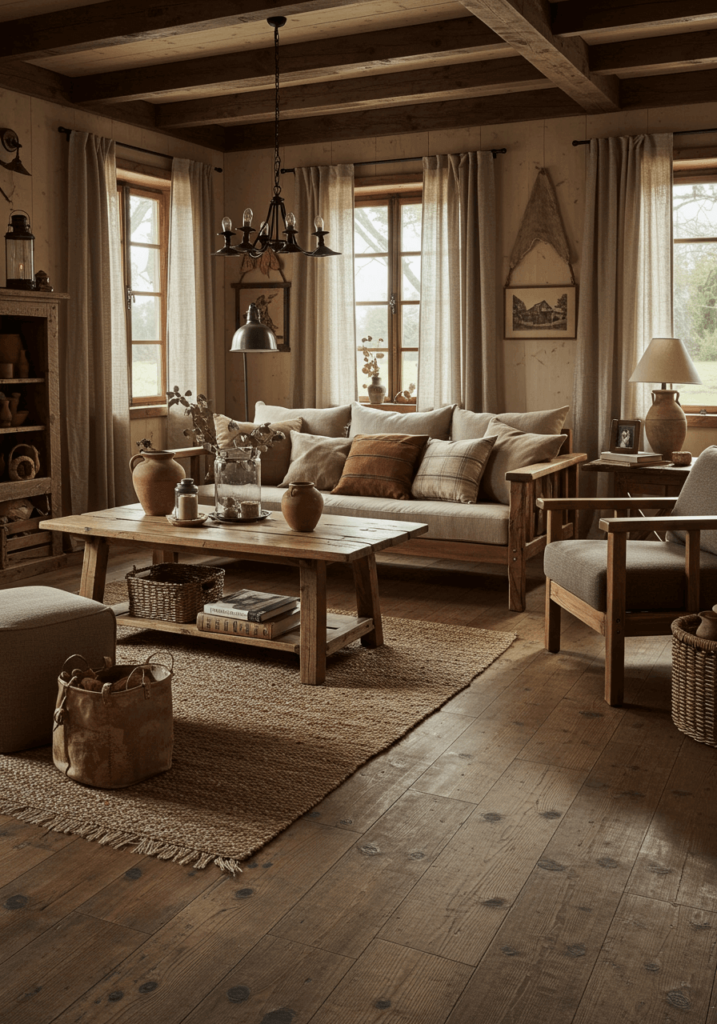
[382,465]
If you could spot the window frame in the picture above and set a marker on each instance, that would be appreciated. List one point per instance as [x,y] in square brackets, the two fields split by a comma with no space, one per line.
[125,189]
[394,199]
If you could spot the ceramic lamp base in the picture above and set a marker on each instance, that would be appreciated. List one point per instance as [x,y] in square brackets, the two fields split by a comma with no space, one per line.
[665,423]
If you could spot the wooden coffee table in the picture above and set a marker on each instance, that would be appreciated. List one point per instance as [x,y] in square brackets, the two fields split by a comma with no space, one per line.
[335,539]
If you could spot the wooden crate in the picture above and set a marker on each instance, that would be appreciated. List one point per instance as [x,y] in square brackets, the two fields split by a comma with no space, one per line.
[23,541]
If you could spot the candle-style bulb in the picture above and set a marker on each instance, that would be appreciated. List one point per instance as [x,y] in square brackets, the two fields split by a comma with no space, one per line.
[226,223]
[290,221]
[264,229]
[247,216]
[319,223]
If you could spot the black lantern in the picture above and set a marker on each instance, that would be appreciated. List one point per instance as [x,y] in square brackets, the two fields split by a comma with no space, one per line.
[19,252]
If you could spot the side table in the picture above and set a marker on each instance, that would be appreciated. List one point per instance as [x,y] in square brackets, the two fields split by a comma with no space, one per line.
[629,481]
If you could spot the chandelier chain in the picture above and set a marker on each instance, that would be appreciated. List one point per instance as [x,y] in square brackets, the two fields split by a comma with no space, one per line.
[277,159]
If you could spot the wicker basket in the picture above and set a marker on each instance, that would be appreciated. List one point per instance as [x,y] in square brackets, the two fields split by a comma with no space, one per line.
[694,681]
[176,593]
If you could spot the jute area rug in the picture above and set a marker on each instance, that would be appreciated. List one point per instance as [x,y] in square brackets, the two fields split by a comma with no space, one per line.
[253,748]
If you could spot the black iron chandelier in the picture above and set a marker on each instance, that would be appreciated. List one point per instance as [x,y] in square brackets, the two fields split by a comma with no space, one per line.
[277,221]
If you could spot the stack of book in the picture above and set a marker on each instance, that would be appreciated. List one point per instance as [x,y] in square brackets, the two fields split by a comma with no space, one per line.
[635,459]
[250,613]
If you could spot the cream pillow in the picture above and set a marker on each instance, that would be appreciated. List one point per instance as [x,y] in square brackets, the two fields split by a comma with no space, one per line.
[332,422]
[275,462]
[367,419]
[475,424]
[451,470]
[318,459]
[513,449]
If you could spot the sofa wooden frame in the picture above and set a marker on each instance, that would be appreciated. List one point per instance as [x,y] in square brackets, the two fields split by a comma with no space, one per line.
[527,535]
[616,623]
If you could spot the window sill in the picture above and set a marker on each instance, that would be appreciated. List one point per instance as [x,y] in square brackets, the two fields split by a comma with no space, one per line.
[147,412]
[702,420]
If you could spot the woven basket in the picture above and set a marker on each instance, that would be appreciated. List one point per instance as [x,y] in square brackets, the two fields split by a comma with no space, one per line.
[174,592]
[694,681]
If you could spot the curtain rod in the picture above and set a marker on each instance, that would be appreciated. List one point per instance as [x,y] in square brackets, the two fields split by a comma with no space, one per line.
[687,131]
[398,160]
[152,152]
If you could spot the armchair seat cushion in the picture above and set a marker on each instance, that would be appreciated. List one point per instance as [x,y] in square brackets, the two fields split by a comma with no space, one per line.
[656,579]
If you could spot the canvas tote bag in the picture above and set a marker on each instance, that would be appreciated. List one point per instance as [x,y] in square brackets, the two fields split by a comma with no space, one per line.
[114,728]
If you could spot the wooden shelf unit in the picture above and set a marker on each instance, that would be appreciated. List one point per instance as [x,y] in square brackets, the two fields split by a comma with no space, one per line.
[34,316]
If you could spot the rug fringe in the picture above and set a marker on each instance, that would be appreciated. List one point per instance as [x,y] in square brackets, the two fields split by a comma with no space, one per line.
[197,859]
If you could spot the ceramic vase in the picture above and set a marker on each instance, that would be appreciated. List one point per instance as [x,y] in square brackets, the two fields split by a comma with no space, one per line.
[376,391]
[5,414]
[302,506]
[154,477]
[665,423]
[707,629]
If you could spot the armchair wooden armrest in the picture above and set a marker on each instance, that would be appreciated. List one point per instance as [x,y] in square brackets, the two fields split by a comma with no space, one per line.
[692,524]
[553,504]
[194,455]
[539,469]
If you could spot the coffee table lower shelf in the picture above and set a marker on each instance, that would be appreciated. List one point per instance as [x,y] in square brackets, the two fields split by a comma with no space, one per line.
[340,631]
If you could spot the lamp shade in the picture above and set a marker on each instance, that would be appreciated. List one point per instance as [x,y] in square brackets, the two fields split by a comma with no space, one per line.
[666,360]
[254,336]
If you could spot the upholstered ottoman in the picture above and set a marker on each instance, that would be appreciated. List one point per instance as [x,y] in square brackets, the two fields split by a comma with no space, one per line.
[39,628]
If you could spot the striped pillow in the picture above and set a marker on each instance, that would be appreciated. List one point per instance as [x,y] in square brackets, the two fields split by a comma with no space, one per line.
[451,470]
[381,465]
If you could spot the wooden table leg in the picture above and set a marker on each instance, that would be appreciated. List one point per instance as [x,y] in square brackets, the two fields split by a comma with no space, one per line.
[94,568]
[367,601]
[313,621]
[164,555]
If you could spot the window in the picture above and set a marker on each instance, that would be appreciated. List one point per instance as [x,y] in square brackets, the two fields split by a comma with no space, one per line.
[695,284]
[144,228]
[387,259]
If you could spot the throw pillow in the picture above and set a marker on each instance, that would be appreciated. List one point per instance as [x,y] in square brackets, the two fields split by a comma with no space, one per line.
[327,422]
[275,462]
[367,419]
[318,459]
[451,470]
[513,449]
[468,425]
[381,465]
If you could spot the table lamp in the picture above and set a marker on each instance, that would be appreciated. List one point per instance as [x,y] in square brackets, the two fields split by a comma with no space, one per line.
[665,359]
[253,336]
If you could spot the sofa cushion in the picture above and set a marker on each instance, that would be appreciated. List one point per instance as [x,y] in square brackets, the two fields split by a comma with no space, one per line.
[318,459]
[698,497]
[475,424]
[451,470]
[513,449]
[366,419]
[275,462]
[382,465]
[327,422]
[655,574]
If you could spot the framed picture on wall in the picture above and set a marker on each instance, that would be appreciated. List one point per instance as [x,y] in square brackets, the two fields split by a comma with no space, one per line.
[541,311]
[271,299]
[625,436]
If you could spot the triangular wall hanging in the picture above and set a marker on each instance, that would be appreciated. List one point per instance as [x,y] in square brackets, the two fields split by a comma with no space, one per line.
[541,223]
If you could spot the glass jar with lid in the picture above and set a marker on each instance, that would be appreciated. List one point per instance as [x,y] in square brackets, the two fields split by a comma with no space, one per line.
[237,483]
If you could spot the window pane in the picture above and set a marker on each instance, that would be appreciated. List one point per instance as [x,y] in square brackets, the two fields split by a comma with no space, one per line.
[411,279]
[371,229]
[146,275]
[695,210]
[695,310]
[371,279]
[409,370]
[372,321]
[409,326]
[143,219]
[146,371]
[411,227]
[146,322]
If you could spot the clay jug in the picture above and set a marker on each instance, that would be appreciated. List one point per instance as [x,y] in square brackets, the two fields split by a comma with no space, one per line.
[154,477]
[707,629]
[302,506]
[5,414]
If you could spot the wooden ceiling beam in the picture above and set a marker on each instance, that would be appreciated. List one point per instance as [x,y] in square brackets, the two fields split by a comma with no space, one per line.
[525,26]
[655,54]
[669,90]
[419,117]
[576,17]
[454,81]
[114,24]
[254,69]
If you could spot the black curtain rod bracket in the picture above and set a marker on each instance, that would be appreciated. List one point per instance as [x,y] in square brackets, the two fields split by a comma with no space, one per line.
[398,160]
[687,131]
[152,152]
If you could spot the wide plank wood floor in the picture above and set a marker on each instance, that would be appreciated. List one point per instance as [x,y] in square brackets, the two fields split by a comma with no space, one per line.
[526,855]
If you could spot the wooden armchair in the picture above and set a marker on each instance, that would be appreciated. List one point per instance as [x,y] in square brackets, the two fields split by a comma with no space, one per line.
[633,588]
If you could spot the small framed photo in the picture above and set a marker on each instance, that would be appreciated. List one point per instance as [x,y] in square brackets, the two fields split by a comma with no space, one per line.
[625,436]
[272,301]
[541,311]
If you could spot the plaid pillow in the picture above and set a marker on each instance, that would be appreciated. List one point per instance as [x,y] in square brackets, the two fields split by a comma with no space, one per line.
[451,470]
[381,465]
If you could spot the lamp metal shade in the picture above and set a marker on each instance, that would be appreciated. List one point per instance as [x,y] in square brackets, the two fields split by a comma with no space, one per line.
[254,336]
[666,359]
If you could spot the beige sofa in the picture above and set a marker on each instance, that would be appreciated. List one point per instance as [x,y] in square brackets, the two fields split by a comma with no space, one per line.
[504,533]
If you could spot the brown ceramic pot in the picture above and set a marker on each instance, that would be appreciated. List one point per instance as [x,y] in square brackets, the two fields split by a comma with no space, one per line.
[302,506]
[154,477]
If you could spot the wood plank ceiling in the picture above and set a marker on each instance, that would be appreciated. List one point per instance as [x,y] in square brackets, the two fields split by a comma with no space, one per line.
[203,69]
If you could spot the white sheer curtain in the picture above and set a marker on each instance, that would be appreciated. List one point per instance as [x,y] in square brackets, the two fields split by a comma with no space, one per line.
[95,373]
[190,300]
[323,330]
[625,280]
[458,359]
